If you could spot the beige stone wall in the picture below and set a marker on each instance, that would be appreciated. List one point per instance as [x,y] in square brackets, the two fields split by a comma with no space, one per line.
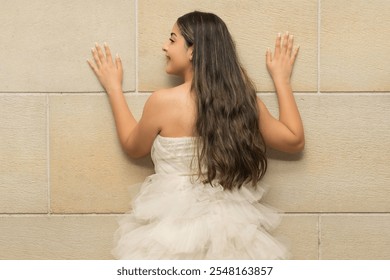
[64,178]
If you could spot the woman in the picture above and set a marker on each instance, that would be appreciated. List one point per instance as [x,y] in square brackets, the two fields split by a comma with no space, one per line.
[207,139]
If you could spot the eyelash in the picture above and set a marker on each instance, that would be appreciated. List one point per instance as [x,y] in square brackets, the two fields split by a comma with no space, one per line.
[171,40]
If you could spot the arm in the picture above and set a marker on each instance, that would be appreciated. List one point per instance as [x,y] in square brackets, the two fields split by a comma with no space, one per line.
[136,138]
[285,134]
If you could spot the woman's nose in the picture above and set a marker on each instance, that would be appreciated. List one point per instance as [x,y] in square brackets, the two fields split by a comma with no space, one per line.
[164,47]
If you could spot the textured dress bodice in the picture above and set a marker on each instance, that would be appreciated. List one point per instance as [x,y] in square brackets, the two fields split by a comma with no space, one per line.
[174,155]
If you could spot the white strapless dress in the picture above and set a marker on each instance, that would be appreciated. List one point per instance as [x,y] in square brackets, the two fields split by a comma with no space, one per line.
[174,217]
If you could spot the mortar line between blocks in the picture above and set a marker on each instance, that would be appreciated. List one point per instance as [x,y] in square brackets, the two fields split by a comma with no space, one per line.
[136,46]
[52,215]
[319,237]
[318,46]
[48,152]
[380,214]
[323,214]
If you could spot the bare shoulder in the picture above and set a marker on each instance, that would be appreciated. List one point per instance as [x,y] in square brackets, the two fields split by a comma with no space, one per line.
[164,93]
[158,102]
[175,108]
[162,103]
[158,96]
[173,98]
[173,92]
[164,113]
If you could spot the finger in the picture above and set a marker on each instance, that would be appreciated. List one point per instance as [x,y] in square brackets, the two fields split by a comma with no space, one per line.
[92,65]
[285,41]
[294,55]
[118,62]
[108,53]
[290,45]
[96,57]
[100,54]
[268,55]
[277,45]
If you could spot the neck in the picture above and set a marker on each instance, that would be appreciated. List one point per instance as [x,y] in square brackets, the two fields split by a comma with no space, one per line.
[188,76]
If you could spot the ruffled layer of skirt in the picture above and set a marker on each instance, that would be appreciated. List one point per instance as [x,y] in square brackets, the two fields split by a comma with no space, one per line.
[174,218]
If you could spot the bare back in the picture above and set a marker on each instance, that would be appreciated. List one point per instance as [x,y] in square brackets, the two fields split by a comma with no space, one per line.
[180,112]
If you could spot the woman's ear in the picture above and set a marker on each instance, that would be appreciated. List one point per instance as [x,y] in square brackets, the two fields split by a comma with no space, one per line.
[189,52]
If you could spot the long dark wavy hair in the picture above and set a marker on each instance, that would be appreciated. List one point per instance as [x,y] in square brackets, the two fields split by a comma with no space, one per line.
[231,147]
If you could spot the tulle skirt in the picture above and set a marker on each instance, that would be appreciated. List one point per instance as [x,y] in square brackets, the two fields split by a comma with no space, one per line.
[175,218]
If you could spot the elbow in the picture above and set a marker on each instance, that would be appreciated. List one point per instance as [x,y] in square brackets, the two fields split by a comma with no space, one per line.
[133,154]
[294,146]
[298,146]
[137,156]
[129,150]
[290,144]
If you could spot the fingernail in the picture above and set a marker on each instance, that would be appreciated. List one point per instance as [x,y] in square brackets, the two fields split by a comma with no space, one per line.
[117,55]
[105,44]
[279,34]
[96,44]
[92,49]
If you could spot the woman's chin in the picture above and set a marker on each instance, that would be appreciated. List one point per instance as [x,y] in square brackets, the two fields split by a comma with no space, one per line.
[170,72]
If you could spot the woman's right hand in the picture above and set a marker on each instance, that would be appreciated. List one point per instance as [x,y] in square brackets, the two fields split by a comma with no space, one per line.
[109,73]
[280,65]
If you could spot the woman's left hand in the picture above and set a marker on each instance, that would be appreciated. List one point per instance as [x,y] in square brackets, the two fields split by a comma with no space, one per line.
[110,74]
[280,65]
